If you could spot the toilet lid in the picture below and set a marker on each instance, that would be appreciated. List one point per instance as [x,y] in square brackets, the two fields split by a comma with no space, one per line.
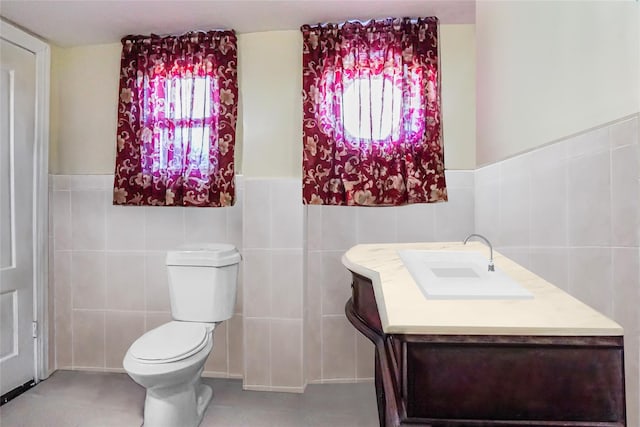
[170,342]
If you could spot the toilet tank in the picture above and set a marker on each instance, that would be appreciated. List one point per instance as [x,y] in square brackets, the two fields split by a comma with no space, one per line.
[203,282]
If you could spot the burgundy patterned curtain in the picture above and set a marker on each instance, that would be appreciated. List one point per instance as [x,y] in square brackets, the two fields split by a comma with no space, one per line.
[372,132]
[176,120]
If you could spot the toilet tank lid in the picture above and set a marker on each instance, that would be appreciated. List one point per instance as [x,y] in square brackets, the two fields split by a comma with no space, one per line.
[204,255]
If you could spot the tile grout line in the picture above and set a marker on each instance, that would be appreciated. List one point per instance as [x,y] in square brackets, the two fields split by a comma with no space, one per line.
[144,275]
[321,283]
[71,281]
[244,288]
[611,219]
[530,208]
[270,367]
[226,239]
[144,291]
[52,200]
[270,224]
[106,282]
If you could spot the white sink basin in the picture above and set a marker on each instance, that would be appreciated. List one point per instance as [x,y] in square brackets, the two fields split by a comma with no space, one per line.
[459,275]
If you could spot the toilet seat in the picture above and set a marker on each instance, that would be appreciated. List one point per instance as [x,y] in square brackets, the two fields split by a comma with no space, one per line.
[170,342]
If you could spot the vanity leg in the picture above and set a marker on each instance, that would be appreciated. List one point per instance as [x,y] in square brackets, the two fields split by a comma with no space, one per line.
[377,339]
[379,391]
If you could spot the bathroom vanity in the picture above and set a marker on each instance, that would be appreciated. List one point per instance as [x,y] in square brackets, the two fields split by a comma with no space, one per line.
[549,360]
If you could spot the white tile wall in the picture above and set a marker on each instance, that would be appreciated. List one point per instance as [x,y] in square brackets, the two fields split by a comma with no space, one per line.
[589,185]
[339,229]
[453,220]
[551,263]
[286,214]
[286,283]
[171,221]
[374,225]
[88,280]
[423,220]
[625,225]
[515,202]
[590,272]
[569,211]
[109,273]
[625,267]
[257,216]
[125,281]
[125,228]
[257,283]
[88,211]
[273,238]
[487,202]
[548,182]
[335,352]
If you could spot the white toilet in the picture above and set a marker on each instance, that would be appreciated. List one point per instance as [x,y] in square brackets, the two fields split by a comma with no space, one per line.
[169,359]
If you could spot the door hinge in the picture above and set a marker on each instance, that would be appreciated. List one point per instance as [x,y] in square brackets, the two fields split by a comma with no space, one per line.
[34,329]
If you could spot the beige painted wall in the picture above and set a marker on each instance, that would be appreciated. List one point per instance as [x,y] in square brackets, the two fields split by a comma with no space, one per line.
[85,90]
[270,69]
[54,110]
[83,102]
[270,81]
[458,62]
[546,70]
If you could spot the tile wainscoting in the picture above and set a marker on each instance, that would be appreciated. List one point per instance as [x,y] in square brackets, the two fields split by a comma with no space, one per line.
[109,276]
[335,351]
[273,244]
[567,211]
[295,287]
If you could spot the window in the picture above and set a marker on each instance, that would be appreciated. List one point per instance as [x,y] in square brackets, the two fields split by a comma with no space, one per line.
[176,120]
[371,111]
[372,132]
[191,116]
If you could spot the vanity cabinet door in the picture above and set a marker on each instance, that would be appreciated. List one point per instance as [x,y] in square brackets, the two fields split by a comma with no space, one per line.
[555,380]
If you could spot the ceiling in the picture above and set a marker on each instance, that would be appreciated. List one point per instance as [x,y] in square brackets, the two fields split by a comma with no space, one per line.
[82,22]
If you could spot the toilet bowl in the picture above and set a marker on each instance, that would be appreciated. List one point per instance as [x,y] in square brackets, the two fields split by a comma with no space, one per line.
[169,359]
[168,362]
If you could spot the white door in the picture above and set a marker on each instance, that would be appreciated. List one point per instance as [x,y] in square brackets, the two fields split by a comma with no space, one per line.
[17,133]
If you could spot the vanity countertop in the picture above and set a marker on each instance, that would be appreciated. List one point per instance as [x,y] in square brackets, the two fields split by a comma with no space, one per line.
[404,309]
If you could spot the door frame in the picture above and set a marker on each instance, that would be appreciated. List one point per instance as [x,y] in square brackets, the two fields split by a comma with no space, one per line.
[40,220]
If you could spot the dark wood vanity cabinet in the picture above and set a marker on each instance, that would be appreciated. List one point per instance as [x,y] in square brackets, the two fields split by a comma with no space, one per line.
[491,380]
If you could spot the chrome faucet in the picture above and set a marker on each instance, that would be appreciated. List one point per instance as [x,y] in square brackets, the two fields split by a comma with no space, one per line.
[491,266]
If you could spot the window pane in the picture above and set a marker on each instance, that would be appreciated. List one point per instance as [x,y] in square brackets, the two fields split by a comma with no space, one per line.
[191,97]
[201,101]
[195,142]
[372,109]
